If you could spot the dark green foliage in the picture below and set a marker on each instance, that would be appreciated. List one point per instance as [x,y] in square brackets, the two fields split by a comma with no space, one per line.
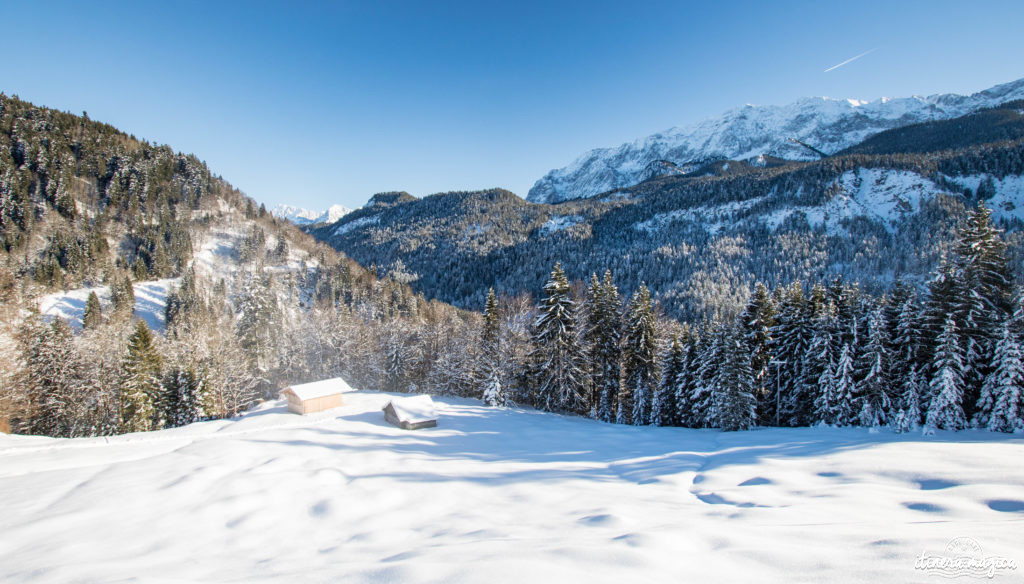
[556,362]
[93,315]
[640,359]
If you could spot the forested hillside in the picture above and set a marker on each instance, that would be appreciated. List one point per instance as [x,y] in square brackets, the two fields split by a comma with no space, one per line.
[701,240]
[254,303]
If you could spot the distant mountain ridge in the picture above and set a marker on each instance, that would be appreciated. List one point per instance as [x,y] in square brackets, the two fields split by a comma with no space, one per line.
[750,131]
[300,216]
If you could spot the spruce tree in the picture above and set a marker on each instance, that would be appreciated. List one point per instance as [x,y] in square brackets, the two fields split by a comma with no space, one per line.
[665,410]
[93,315]
[685,384]
[640,357]
[734,386]
[844,387]
[911,401]
[603,343]
[142,400]
[790,340]
[874,365]
[946,409]
[556,364]
[757,320]
[1001,407]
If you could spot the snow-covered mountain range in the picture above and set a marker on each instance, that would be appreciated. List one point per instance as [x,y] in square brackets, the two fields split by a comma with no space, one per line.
[301,216]
[750,132]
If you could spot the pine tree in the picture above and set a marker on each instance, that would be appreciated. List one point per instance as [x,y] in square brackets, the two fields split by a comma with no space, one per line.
[703,399]
[844,387]
[1001,407]
[603,339]
[734,386]
[874,365]
[142,399]
[493,395]
[685,384]
[93,315]
[757,320]
[640,357]
[556,360]
[946,410]
[974,287]
[910,402]
[790,340]
[665,410]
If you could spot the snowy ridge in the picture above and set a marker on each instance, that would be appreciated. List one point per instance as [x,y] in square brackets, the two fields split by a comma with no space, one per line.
[502,496]
[301,216]
[882,195]
[751,131]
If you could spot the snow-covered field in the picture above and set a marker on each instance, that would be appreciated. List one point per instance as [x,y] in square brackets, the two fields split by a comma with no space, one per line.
[150,300]
[500,496]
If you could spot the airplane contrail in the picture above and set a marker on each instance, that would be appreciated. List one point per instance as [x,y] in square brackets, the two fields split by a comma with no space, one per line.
[850,60]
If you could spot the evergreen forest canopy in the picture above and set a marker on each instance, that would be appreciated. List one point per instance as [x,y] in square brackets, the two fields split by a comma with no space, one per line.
[277,308]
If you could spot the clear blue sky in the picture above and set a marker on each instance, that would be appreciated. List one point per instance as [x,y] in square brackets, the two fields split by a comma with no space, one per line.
[319,103]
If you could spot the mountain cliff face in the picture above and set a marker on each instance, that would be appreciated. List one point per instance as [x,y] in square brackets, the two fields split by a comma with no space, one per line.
[749,132]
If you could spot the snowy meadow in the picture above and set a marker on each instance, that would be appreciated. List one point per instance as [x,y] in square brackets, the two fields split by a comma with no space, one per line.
[502,495]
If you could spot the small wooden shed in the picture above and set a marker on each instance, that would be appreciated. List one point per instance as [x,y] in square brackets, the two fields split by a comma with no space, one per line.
[411,413]
[315,397]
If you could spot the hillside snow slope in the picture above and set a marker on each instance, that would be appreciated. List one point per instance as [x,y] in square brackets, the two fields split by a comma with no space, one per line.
[494,495]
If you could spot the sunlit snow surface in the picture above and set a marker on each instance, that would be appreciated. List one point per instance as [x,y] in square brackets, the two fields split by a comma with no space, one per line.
[496,495]
[150,301]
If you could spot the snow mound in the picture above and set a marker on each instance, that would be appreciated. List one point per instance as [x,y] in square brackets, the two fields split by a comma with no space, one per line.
[498,495]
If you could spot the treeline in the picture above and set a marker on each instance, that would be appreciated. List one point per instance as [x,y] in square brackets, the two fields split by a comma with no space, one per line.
[828,355]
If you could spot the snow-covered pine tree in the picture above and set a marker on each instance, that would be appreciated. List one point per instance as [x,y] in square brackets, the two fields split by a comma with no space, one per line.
[494,395]
[640,356]
[757,320]
[141,390]
[709,358]
[685,383]
[1001,407]
[820,364]
[874,401]
[259,321]
[974,287]
[556,363]
[946,408]
[665,410]
[734,385]
[122,293]
[790,339]
[905,344]
[911,401]
[604,339]
[844,387]
[93,316]
[489,371]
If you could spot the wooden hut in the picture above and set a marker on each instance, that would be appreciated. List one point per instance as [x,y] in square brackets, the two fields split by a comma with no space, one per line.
[411,413]
[315,397]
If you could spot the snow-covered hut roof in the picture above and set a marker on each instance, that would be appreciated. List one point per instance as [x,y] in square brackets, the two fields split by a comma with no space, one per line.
[414,410]
[319,388]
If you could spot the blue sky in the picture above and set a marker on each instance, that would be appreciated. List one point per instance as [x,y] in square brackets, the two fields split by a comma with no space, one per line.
[312,103]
